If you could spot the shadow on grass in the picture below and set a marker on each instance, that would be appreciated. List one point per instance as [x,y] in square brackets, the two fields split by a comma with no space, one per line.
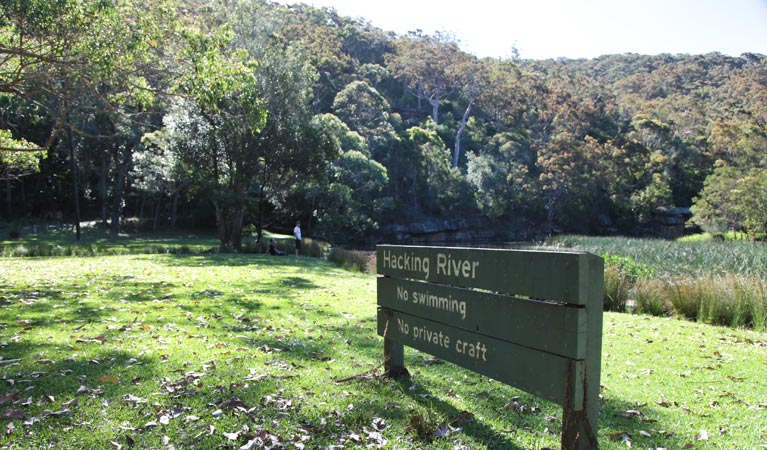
[620,422]
[228,260]
[463,419]
[29,371]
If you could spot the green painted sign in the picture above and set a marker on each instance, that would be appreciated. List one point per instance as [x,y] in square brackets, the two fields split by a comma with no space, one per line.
[530,370]
[554,276]
[530,319]
[555,331]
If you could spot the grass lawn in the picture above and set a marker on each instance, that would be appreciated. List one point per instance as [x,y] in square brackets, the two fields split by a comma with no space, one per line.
[251,351]
[96,241]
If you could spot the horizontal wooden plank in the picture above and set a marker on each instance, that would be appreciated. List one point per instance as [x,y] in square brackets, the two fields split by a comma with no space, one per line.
[556,276]
[551,327]
[548,376]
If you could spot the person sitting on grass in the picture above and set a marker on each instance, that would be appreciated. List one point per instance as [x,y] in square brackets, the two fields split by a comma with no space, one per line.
[273,250]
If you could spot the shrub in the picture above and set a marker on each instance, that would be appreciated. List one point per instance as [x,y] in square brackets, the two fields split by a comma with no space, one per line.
[628,266]
[617,285]
[649,297]
[315,248]
[685,296]
[621,273]
[355,260]
[728,300]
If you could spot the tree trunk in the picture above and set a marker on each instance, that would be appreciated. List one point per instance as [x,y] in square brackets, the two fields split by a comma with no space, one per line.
[141,212]
[8,198]
[551,206]
[157,213]
[117,197]
[75,184]
[435,110]
[261,203]
[174,207]
[459,133]
[102,187]
[419,96]
[229,223]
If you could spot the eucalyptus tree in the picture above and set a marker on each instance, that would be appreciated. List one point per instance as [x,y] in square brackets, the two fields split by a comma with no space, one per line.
[474,79]
[503,175]
[439,188]
[424,64]
[353,203]
[368,113]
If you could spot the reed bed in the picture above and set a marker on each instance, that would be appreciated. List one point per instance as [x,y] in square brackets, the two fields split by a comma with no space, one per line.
[720,283]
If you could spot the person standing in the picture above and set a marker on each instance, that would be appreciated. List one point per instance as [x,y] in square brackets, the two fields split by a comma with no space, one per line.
[297,235]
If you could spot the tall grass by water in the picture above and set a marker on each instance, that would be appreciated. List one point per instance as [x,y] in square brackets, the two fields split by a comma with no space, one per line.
[715,282]
[677,258]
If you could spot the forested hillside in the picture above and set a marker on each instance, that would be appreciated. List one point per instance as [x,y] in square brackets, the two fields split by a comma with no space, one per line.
[246,113]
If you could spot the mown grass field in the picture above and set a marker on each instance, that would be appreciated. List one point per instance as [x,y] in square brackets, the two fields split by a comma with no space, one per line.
[252,351]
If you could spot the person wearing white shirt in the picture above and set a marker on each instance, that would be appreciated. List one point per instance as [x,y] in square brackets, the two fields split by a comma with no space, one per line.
[297,235]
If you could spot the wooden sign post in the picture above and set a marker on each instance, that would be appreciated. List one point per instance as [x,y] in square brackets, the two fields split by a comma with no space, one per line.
[530,319]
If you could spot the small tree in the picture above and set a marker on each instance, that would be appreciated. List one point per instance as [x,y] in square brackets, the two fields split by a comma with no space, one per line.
[716,207]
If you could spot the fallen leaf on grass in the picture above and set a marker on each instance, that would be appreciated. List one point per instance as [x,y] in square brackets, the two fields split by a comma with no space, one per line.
[379,424]
[63,412]
[513,405]
[13,414]
[130,398]
[9,396]
[630,413]
[232,436]
[108,379]
[86,389]
[616,436]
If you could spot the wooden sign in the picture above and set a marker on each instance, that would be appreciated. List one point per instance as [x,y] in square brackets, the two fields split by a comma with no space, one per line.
[530,319]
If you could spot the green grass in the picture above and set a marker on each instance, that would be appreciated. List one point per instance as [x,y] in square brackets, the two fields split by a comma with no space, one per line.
[94,242]
[97,242]
[728,236]
[216,351]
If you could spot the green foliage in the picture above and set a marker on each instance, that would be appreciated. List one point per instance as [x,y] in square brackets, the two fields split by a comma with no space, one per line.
[621,274]
[626,264]
[24,157]
[353,203]
[591,146]
[501,175]
[649,295]
[733,199]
